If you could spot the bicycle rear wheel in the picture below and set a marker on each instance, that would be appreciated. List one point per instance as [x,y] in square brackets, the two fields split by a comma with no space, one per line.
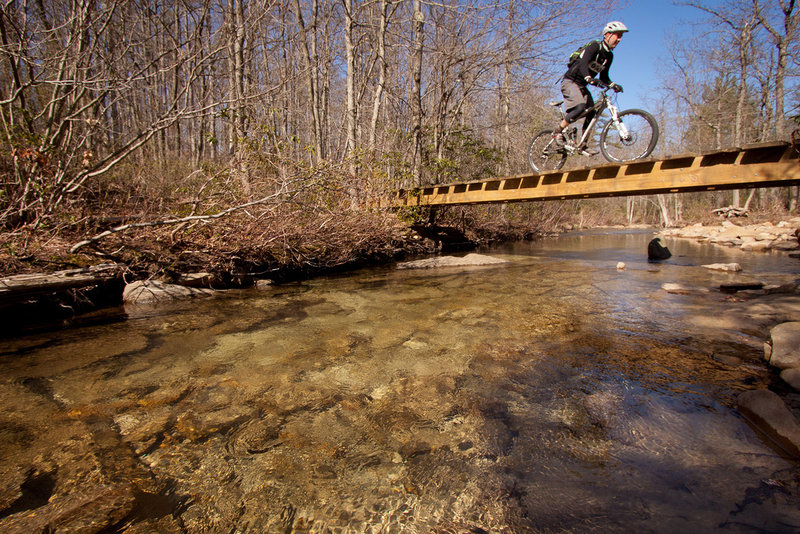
[636,141]
[544,155]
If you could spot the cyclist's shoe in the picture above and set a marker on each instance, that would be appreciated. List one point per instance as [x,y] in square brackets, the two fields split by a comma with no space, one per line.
[559,140]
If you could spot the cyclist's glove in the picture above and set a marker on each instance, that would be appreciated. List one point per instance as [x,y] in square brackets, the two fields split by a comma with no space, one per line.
[617,88]
[591,81]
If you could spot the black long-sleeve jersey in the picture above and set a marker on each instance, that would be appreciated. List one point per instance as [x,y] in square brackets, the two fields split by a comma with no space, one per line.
[595,60]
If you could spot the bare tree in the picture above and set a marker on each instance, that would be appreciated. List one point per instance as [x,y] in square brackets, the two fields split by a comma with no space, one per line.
[70,90]
[308,37]
[418,27]
[782,41]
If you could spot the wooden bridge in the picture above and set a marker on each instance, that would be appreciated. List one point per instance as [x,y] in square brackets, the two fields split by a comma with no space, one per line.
[762,165]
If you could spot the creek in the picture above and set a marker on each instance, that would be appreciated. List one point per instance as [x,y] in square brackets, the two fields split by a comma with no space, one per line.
[553,393]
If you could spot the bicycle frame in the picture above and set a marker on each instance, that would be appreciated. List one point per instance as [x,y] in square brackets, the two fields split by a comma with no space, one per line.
[627,135]
[599,107]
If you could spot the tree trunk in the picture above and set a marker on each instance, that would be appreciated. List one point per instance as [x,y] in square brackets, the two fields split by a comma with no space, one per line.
[416,91]
[664,209]
[350,88]
[383,66]
[782,42]
[308,46]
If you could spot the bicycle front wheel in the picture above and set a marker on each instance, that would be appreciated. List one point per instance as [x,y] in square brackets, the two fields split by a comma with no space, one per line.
[635,136]
[544,155]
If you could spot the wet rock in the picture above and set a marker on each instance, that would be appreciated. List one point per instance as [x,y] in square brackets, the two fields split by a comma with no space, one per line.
[656,251]
[198,426]
[604,408]
[143,430]
[788,288]
[11,480]
[680,289]
[784,351]
[727,267]
[470,260]
[258,436]
[792,377]
[741,286]
[415,448]
[164,525]
[766,411]
[153,291]
[167,394]
[727,359]
[95,509]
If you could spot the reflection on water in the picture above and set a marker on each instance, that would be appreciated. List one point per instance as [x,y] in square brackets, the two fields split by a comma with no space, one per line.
[551,394]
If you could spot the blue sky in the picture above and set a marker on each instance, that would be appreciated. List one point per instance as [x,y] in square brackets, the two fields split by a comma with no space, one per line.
[652,25]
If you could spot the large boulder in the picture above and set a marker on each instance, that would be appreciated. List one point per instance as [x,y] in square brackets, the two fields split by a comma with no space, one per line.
[766,411]
[784,351]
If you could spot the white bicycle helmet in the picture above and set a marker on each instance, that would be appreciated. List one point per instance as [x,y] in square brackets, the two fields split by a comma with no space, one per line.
[615,27]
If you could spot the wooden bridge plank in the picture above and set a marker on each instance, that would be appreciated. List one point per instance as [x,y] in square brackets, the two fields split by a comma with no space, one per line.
[762,165]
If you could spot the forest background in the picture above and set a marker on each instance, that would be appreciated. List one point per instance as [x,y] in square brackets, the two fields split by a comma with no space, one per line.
[230,135]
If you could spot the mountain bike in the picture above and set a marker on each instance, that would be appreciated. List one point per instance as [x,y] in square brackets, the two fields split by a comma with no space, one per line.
[627,136]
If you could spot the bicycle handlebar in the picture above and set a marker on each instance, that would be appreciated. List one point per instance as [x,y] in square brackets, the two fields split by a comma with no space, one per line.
[605,86]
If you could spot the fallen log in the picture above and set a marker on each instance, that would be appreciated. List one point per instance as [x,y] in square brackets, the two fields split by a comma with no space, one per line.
[27,285]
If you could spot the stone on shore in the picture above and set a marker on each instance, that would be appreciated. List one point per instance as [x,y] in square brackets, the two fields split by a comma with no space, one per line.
[153,291]
[784,351]
[752,237]
[766,411]
[470,260]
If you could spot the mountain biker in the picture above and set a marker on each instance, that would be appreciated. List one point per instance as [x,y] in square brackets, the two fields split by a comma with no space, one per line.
[594,60]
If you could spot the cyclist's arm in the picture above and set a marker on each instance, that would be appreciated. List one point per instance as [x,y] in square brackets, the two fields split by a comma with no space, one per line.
[604,73]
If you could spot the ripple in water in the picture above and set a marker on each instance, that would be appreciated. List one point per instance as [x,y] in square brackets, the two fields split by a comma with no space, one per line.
[550,394]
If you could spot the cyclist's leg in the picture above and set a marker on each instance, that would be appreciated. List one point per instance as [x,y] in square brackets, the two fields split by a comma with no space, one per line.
[575,99]
[590,115]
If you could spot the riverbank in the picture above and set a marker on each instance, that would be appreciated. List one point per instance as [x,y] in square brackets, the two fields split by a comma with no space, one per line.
[31,299]
[759,237]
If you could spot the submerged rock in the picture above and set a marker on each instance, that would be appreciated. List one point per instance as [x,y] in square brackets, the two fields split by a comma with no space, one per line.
[680,289]
[96,509]
[766,411]
[729,267]
[470,260]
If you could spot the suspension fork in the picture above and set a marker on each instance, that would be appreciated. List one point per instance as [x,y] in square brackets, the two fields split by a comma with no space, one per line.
[618,124]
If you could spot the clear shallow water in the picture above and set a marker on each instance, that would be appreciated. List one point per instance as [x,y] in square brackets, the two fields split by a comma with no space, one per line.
[551,394]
